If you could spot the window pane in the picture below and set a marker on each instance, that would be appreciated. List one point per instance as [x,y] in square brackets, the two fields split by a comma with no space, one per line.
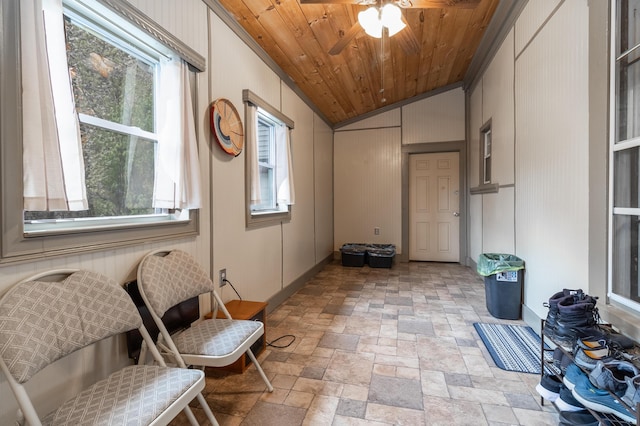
[119,175]
[108,82]
[626,185]
[625,256]
[628,71]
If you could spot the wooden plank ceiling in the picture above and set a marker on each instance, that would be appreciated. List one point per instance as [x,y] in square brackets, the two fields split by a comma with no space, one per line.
[368,73]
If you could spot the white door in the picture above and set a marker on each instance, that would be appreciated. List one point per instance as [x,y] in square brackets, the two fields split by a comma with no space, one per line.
[434,202]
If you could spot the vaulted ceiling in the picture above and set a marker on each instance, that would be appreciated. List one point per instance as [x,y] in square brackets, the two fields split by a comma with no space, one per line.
[368,74]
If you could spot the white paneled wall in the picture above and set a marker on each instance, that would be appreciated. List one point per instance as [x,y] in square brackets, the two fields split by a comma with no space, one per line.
[491,216]
[185,19]
[531,20]
[298,235]
[367,183]
[385,119]
[552,154]
[438,118]
[323,187]
[497,105]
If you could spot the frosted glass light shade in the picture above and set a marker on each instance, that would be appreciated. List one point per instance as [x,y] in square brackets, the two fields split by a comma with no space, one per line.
[391,17]
[370,20]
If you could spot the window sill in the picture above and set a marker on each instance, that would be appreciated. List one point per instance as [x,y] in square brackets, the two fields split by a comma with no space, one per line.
[488,188]
[623,320]
[259,219]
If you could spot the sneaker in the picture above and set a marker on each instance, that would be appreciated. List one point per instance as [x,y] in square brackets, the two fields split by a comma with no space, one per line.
[572,376]
[588,351]
[566,401]
[601,400]
[574,418]
[612,376]
[632,394]
[549,387]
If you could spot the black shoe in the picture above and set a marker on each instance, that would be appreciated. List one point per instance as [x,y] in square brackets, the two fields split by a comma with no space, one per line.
[577,317]
[574,418]
[552,316]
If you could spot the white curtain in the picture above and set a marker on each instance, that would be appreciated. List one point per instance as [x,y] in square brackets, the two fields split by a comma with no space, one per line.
[284,167]
[53,167]
[177,180]
[252,153]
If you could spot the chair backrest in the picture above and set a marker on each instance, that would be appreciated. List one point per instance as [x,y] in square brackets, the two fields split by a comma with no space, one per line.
[177,318]
[42,321]
[168,280]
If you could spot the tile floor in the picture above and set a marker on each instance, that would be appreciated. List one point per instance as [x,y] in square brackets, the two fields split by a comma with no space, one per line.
[377,346]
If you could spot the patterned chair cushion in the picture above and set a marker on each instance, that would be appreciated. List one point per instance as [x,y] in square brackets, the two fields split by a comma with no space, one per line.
[174,278]
[216,337]
[135,395]
[41,322]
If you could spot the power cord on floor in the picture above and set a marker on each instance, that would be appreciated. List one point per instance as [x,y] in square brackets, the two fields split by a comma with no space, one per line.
[234,289]
[271,343]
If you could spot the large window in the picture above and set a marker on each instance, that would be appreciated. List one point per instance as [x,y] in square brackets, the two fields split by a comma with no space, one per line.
[122,83]
[624,158]
[114,86]
[270,188]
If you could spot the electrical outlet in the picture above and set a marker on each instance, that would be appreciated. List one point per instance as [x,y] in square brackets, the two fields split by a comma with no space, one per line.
[223,277]
[376,231]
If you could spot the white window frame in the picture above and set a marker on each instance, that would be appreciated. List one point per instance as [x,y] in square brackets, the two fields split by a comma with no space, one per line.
[280,214]
[485,185]
[15,246]
[615,147]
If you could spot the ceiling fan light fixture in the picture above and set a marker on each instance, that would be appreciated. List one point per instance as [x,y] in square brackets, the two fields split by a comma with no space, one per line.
[370,20]
[391,17]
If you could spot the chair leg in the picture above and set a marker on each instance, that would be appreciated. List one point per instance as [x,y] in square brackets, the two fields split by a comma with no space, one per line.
[259,368]
[207,410]
[192,419]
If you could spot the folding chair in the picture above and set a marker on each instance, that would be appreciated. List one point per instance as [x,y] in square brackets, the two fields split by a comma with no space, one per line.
[167,278]
[50,315]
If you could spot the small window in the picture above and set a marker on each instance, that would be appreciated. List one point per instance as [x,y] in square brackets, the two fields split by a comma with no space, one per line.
[270,189]
[267,165]
[485,184]
[486,155]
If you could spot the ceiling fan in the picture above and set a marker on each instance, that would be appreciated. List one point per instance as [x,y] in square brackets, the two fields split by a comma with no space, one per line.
[405,36]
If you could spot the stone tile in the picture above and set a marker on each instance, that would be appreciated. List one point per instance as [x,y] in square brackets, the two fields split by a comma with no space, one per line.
[415,326]
[312,372]
[395,392]
[350,368]
[351,408]
[267,414]
[395,415]
[339,341]
[299,399]
[338,310]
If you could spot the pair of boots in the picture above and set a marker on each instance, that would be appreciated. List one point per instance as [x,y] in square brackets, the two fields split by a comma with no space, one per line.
[572,315]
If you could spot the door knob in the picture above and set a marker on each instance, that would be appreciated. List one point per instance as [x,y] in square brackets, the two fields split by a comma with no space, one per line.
[456,214]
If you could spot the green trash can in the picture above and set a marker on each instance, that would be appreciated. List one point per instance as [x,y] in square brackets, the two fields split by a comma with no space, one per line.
[503,283]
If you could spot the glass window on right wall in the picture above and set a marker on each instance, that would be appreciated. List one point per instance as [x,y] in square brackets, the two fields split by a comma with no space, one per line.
[624,154]
[269,163]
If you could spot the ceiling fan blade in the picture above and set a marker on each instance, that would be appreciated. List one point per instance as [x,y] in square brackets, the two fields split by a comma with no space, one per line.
[439,4]
[346,38]
[407,39]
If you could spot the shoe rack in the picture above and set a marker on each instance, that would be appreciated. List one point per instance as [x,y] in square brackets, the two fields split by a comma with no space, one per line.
[603,418]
